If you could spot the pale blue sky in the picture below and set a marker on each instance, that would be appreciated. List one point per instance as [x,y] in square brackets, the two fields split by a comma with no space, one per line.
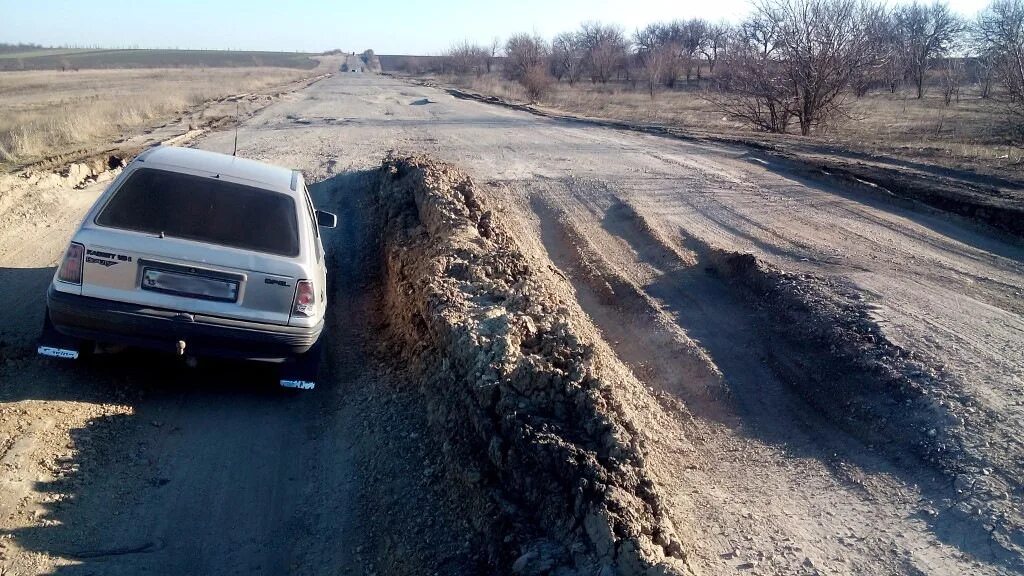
[389,27]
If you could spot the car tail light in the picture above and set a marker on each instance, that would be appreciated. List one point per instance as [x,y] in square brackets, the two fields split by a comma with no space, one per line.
[71,267]
[305,298]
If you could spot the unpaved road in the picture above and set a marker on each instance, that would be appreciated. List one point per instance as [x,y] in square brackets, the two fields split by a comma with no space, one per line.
[133,464]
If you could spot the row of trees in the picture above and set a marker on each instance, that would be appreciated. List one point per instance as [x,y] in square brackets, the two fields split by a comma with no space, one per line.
[790,62]
[798,60]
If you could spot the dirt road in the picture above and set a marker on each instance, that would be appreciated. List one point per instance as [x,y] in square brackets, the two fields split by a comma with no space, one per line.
[133,464]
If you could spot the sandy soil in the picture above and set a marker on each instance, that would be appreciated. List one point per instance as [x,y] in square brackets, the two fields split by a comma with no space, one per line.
[131,464]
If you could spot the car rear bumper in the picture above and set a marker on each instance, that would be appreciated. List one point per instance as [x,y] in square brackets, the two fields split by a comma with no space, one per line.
[133,325]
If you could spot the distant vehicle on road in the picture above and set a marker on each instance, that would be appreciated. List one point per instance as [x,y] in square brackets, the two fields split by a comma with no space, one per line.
[197,254]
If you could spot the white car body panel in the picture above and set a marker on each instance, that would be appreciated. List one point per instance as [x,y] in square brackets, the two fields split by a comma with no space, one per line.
[266,293]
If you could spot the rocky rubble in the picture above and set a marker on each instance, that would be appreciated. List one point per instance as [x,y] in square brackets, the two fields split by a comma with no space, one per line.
[534,410]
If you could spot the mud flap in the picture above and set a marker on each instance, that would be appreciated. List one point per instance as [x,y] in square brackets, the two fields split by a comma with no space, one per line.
[56,345]
[302,371]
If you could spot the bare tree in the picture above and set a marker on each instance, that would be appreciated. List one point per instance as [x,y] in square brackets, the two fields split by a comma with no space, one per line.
[568,53]
[953,72]
[523,53]
[495,48]
[824,45]
[894,68]
[466,58]
[606,50]
[717,34]
[888,67]
[680,41]
[651,56]
[754,87]
[795,59]
[693,38]
[987,70]
[928,33]
[668,39]
[1000,31]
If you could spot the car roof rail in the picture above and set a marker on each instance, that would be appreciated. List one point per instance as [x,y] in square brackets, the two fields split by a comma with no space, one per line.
[295,180]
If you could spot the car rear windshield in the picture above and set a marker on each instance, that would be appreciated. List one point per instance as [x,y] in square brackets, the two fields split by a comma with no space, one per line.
[205,209]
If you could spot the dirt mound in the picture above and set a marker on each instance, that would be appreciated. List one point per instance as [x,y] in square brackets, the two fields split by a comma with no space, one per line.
[535,409]
[847,367]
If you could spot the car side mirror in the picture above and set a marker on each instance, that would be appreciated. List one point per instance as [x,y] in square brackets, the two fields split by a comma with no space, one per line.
[326,219]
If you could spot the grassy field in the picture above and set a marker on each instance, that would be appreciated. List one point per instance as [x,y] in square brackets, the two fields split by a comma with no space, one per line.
[971,134]
[48,112]
[87,59]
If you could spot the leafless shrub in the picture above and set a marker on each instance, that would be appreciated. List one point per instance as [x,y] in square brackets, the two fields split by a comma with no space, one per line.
[953,72]
[754,87]
[524,53]
[536,81]
[793,60]
[466,58]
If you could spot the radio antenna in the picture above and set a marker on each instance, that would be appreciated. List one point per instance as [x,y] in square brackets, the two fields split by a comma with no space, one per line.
[234,149]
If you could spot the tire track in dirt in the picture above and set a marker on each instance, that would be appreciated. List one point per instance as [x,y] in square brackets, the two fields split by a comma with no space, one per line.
[762,414]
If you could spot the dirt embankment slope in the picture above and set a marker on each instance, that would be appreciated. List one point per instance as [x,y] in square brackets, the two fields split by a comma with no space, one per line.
[536,410]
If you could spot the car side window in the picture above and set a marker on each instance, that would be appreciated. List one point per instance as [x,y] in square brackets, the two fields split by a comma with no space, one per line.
[312,212]
[316,225]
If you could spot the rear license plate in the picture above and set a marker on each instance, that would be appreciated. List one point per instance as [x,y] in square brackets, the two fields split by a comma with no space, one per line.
[190,285]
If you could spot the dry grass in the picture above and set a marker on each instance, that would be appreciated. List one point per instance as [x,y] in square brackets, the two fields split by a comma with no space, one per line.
[48,112]
[973,133]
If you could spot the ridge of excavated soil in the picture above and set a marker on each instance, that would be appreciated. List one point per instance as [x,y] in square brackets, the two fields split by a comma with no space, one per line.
[535,409]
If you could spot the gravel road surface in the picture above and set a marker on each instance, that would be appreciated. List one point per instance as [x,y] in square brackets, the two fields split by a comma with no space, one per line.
[133,464]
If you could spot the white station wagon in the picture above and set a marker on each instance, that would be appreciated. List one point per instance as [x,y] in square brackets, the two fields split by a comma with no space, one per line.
[197,254]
